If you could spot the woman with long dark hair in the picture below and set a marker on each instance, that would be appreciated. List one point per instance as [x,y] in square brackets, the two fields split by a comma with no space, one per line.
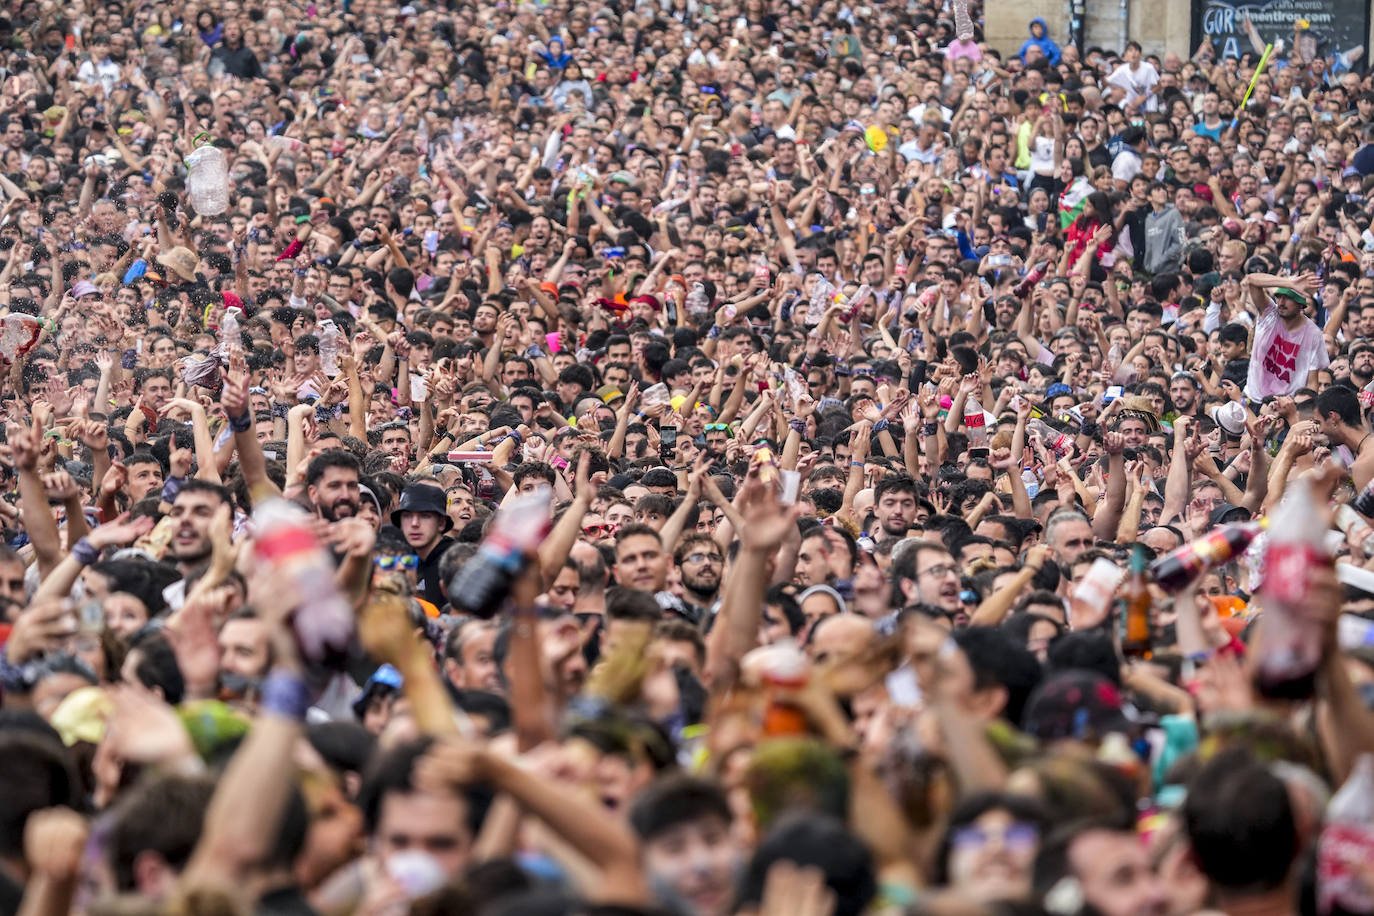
[1097,212]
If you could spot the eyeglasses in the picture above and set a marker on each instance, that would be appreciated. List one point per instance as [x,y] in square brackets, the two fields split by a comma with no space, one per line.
[702,558]
[596,531]
[405,561]
[1017,835]
[939,572]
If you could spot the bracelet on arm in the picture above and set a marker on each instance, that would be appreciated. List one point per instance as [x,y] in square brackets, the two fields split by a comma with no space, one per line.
[285,695]
[242,424]
[85,552]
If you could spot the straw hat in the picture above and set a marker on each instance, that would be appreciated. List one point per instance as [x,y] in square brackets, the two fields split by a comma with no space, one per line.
[182,261]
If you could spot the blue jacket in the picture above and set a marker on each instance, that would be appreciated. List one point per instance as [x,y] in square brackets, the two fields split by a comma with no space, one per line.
[1042,41]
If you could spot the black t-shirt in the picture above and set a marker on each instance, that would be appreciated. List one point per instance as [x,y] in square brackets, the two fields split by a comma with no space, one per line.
[1100,155]
[427,584]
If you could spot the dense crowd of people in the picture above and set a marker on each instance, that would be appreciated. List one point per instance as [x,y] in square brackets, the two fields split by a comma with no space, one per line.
[679,457]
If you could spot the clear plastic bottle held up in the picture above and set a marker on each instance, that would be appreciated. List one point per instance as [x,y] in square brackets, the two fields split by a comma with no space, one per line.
[207,178]
[283,143]
[697,301]
[1055,440]
[331,342]
[1291,650]
[963,25]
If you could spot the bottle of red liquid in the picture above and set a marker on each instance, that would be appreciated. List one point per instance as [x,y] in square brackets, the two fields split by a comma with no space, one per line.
[1028,282]
[1176,569]
[1346,844]
[481,584]
[323,623]
[1292,648]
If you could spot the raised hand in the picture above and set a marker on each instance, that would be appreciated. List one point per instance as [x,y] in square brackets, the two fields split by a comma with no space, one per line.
[120,532]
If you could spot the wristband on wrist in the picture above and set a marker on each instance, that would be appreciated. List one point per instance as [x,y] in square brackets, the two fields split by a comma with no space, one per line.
[280,411]
[285,695]
[797,425]
[929,428]
[242,424]
[713,333]
[880,425]
[533,352]
[171,488]
[85,552]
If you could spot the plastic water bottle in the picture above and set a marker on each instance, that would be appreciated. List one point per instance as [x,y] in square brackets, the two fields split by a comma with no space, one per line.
[481,584]
[963,25]
[323,623]
[285,144]
[697,301]
[1058,442]
[331,341]
[207,180]
[821,293]
[230,332]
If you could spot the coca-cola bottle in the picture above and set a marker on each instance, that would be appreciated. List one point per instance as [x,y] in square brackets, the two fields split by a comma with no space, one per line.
[1176,569]
[975,423]
[323,622]
[1056,440]
[284,143]
[1346,845]
[856,302]
[1292,647]
[1028,282]
[481,584]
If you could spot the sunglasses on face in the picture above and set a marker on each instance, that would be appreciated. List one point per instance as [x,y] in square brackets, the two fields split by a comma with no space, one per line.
[405,561]
[596,531]
[718,427]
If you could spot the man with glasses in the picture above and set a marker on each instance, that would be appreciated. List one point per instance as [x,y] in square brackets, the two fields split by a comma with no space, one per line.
[924,572]
[701,565]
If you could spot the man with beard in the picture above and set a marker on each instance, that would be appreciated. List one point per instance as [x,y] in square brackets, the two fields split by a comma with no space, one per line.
[423,518]
[894,505]
[332,484]
[701,563]
[1184,391]
[193,516]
